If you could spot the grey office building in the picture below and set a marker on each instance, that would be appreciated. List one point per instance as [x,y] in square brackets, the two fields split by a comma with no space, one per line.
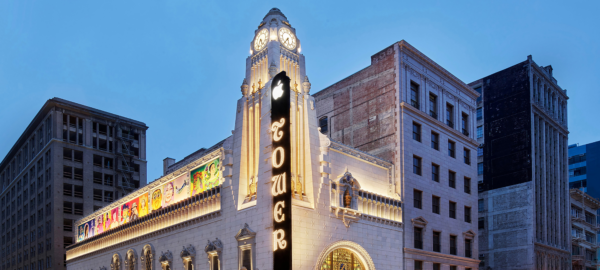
[69,162]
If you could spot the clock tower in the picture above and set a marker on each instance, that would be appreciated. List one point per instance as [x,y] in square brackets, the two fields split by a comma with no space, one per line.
[274,48]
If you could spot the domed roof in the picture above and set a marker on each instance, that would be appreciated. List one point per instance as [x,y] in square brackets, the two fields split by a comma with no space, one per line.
[275,11]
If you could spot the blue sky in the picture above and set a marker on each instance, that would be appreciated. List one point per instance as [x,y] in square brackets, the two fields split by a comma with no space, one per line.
[178,65]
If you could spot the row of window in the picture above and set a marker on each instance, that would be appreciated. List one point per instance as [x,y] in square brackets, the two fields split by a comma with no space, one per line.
[27,153]
[436,266]
[41,265]
[435,205]
[437,242]
[433,105]
[435,143]
[435,174]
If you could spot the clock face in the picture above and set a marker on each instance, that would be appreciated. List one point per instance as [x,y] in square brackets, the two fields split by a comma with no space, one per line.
[261,40]
[287,38]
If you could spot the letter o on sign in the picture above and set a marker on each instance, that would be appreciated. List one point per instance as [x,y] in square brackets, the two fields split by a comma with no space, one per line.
[278,157]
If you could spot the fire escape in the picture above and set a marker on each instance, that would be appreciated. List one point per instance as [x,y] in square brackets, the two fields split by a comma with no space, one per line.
[125,155]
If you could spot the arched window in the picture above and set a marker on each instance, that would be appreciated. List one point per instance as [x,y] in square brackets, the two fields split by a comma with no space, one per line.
[131,260]
[147,258]
[115,262]
[342,259]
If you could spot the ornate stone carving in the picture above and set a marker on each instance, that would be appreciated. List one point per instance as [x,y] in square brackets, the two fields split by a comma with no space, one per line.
[306,85]
[214,246]
[166,259]
[189,252]
[245,233]
[244,87]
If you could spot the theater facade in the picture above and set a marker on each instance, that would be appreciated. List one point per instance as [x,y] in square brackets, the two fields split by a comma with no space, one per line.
[276,194]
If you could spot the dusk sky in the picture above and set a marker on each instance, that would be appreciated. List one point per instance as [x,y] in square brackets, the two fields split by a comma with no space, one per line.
[178,65]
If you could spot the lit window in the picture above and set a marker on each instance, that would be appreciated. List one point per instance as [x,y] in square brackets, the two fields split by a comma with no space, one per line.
[479,132]
[479,151]
[480,168]
[479,113]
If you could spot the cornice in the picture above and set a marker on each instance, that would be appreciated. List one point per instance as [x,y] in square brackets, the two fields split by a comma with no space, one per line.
[547,78]
[440,255]
[403,44]
[150,235]
[219,152]
[360,154]
[443,126]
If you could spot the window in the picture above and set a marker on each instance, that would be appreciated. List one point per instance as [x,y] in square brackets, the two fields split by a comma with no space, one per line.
[467,156]
[479,132]
[480,168]
[418,238]
[481,223]
[467,214]
[435,139]
[414,95]
[449,115]
[436,266]
[437,247]
[478,89]
[78,193]
[68,172]
[78,156]
[451,179]
[435,204]
[416,165]
[108,196]
[433,105]
[67,154]
[67,241]
[453,244]
[98,195]
[418,198]
[464,123]
[468,248]
[480,206]
[451,147]
[467,185]
[452,210]
[78,209]
[97,178]
[480,151]
[418,265]
[78,174]
[435,172]
[323,124]
[416,132]
[67,225]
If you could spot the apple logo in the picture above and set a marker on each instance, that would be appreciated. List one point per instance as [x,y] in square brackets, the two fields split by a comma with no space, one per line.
[278,91]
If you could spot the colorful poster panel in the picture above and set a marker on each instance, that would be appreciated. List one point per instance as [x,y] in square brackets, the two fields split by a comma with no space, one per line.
[156,199]
[130,211]
[205,177]
[86,230]
[143,205]
[115,220]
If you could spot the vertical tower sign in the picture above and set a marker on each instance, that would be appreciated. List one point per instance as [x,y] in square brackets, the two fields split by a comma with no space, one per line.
[282,169]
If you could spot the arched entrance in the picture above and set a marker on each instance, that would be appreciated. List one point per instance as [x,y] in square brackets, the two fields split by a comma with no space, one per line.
[344,255]
[342,259]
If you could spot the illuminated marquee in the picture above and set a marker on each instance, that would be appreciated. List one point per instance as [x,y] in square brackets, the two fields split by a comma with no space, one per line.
[281,185]
[173,191]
